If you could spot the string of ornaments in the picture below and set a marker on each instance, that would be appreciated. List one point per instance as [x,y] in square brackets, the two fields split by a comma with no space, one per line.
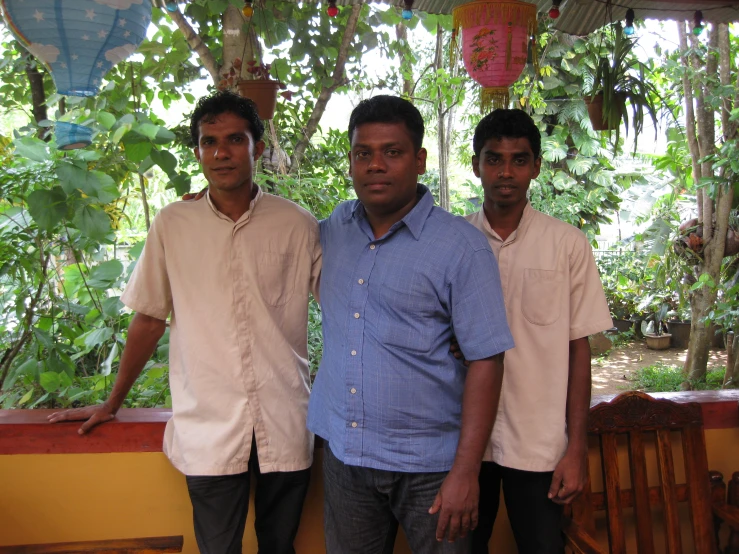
[698,24]
[407,14]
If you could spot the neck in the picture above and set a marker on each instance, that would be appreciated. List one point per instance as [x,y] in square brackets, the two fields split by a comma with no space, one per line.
[233,203]
[503,219]
[381,222]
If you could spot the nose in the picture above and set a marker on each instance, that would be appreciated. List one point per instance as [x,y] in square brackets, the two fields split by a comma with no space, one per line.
[222,152]
[376,162]
[505,170]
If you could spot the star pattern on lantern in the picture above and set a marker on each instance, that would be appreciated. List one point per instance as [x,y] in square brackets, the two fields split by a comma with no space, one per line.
[75,57]
[127,34]
[85,37]
[122,22]
[38,16]
[90,14]
[100,64]
[102,33]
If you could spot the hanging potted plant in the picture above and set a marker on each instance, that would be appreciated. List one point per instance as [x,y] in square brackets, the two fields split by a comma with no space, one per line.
[260,87]
[617,81]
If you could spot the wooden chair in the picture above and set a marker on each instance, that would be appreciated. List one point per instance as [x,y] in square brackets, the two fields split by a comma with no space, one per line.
[150,545]
[639,417]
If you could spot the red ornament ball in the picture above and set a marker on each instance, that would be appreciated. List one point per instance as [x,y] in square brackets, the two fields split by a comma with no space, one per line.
[332,11]
[554,12]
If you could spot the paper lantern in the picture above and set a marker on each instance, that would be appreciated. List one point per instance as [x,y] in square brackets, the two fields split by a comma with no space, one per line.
[70,136]
[78,41]
[495,42]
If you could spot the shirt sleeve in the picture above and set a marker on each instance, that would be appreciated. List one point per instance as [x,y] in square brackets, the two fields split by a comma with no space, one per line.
[589,311]
[478,312]
[148,291]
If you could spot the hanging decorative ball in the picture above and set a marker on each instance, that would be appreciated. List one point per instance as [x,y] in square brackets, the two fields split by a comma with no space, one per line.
[629,28]
[247,10]
[554,10]
[332,10]
[698,23]
[171,6]
[407,15]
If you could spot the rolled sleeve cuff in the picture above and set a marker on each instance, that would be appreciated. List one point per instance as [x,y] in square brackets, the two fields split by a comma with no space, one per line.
[489,349]
[591,329]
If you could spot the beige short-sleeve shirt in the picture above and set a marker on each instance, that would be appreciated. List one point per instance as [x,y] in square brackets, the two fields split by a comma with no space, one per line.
[237,293]
[553,294]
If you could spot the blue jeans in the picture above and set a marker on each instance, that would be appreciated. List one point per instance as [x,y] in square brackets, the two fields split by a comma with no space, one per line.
[363,506]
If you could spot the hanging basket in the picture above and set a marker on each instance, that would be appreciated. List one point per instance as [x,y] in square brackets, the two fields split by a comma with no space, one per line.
[598,119]
[263,93]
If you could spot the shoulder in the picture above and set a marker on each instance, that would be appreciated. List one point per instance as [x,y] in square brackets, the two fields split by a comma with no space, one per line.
[179,210]
[276,205]
[459,229]
[557,229]
[338,215]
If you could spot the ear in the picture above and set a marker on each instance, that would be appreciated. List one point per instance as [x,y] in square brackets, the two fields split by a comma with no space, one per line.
[476,166]
[196,150]
[537,168]
[259,149]
[421,161]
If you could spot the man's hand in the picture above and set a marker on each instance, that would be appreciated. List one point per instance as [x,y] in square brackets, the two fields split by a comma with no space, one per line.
[570,476]
[195,196]
[458,500]
[92,415]
[457,351]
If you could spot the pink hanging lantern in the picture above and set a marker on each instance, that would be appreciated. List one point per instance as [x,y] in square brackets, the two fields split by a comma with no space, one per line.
[495,42]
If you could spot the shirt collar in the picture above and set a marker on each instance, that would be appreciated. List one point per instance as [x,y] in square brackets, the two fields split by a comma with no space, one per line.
[526,217]
[414,220]
[246,215]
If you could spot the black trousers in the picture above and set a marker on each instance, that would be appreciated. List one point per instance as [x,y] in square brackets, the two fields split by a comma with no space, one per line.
[534,518]
[220,505]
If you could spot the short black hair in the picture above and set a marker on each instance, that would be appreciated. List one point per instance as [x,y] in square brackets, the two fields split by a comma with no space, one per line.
[221,102]
[388,109]
[505,123]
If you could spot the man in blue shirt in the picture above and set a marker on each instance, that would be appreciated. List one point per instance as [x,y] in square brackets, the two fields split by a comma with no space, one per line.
[405,423]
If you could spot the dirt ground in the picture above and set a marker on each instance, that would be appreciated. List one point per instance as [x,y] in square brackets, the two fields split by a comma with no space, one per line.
[610,372]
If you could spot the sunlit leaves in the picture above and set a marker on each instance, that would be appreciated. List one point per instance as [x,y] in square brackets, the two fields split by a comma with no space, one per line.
[47,207]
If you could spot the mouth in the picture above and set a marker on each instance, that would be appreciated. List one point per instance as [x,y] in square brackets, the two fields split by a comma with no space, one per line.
[222,169]
[376,186]
[505,188]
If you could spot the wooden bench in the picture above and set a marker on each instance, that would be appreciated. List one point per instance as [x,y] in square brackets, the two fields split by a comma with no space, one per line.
[150,545]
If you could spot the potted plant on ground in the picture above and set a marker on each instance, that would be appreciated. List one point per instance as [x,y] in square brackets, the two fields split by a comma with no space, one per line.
[654,327]
[616,80]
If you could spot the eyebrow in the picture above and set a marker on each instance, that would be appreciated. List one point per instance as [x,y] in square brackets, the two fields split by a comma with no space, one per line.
[521,154]
[385,145]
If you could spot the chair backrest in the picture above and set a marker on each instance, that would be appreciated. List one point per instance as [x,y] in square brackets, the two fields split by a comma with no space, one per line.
[641,419]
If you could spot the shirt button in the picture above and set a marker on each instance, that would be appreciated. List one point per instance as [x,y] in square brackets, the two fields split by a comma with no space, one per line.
[356,316]
[354,424]
[372,246]
[354,352]
[353,390]
[361,281]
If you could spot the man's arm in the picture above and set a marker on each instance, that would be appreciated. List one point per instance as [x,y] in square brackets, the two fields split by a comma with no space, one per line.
[144,333]
[459,495]
[570,475]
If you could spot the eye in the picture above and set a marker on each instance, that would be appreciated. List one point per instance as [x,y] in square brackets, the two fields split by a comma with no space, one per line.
[393,153]
[361,154]
[492,160]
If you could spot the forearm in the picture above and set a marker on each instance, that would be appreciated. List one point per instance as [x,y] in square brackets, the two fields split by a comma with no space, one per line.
[144,333]
[479,408]
[578,393]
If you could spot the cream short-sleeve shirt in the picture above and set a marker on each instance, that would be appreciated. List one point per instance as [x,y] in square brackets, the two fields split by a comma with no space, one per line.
[237,297]
[553,294]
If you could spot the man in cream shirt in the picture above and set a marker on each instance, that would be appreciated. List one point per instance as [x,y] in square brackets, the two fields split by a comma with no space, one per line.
[232,271]
[554,300]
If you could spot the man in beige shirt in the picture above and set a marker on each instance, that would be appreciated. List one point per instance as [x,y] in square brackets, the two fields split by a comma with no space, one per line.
[233,271]
[554,300]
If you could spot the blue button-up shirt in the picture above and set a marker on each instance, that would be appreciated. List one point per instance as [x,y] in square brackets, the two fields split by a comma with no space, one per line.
[388,394]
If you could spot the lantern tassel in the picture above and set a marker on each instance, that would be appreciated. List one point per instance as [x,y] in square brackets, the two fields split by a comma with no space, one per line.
[492,98]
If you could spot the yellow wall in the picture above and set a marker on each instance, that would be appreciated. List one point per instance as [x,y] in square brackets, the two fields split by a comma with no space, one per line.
[73,497]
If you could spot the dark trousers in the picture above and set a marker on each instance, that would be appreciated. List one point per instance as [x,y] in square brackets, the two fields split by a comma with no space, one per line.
[362,508]
[220,505]
[534,518]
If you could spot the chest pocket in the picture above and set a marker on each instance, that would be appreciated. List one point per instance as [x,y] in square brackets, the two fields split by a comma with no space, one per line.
[541,300]
[276,274]
[405,321]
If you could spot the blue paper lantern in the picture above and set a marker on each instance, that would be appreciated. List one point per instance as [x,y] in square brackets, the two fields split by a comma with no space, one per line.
[78,41]
[70,136]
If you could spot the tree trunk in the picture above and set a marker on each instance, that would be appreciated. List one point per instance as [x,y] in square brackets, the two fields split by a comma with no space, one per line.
[38,96]
[406,66]
[441,128]
[731,379]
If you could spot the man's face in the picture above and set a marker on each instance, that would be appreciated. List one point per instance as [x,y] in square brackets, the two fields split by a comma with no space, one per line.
[385,166]
[505,167]
[227,152]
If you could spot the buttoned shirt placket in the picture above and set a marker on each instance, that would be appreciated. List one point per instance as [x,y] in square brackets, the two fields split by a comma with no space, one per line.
[242,301]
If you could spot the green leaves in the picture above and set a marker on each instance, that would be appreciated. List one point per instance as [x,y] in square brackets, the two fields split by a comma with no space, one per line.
[92,221]
[32,148]
[47,207]
[105,275]
[75,177]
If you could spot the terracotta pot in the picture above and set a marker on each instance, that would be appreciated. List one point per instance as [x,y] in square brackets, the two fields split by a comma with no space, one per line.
[595,111]
[263,93]
[680,331]
[661,342]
